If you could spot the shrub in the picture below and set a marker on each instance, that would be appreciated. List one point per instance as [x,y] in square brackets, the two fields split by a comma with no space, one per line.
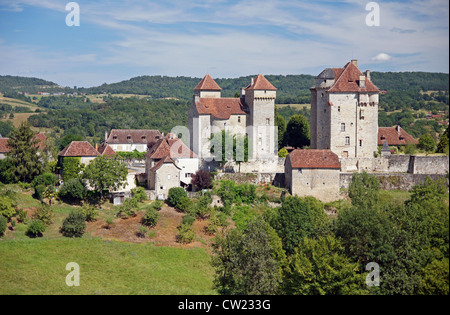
[3,224]
[109,222]
[283,153]
[151,217]
[7,207]
[175,194]
[90,212]
[73,190]
[39,192]
[139,194]
[142,230]
[74,225]
[186,234]
[46,179]
[21,215]
[183,204]
[35,228]
[213,225]
[44,213]
[202,180]
[187,220]
[127,209]
[157,204]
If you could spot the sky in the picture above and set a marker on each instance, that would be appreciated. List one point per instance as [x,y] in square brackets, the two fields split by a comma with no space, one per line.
[117,40]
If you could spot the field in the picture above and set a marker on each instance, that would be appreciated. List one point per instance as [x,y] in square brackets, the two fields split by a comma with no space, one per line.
[112,261]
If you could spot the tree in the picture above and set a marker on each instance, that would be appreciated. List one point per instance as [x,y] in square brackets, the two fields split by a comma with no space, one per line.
[427,143]
[175,196]
[319,267]
[74,225]
[105,174]
[246,261]
[297,132]
[202,180]
[443,145]
[73,190]
[7,205]
[364,190]
[23,157]
[296,219]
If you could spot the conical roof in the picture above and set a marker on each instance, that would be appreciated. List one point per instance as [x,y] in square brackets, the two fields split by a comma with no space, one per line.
[208,83]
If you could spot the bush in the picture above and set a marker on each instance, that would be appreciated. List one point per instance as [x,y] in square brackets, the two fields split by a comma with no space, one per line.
[183,204]
[74,225]
[202,180]
[139,194]
[158,204]
[188,220]
[175,194]
[21,215]
[7,207]
[186,234]
[44,213]
[141,232]
[46,179]
[151,217]
[35,228]
[73,190]
[127,209]
[90,212]
[39,192]
[3,224]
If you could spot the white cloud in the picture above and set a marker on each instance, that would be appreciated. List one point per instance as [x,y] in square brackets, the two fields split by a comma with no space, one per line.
[382,57]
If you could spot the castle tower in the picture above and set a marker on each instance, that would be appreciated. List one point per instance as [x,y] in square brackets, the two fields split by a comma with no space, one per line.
[344,112]
[260,98]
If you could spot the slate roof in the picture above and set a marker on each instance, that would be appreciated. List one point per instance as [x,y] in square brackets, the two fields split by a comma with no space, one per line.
[313,159]
[394,136]
[79,148]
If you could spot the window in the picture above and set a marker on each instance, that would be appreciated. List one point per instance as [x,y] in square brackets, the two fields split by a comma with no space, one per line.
[342,127]
[187,175]
[361,115]
[300,171]
[267,121]
[360,143]
[339,108]
[347,140]
[239,119]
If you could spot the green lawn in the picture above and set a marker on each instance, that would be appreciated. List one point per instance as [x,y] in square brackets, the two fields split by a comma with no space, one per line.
[38,266]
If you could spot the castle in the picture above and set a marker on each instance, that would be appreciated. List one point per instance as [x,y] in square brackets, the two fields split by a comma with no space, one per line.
[252,114]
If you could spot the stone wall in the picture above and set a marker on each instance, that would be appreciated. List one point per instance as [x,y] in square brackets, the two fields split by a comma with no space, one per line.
[394,181]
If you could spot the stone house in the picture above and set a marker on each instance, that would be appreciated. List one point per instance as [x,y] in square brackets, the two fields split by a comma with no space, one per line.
[344,112]
[253,114]
[313,173]
[128,140]
[163,176]
[170,149]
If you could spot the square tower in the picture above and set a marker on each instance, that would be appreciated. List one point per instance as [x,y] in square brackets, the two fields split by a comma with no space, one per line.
[344,112]
[260,98]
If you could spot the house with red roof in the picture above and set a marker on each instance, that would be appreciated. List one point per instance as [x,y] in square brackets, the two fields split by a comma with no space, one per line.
[172,154]
[394,136]
[251,114]
[313,173]
[40,144]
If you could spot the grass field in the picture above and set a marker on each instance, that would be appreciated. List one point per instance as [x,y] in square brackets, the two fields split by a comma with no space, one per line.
[38,266]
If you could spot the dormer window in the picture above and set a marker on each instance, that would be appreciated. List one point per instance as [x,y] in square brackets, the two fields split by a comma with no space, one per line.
[114,137]
[128,137]
[143,137]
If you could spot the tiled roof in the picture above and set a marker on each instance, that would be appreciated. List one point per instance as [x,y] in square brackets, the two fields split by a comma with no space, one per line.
[347,80]
[261,83]
[394,136]
[313,159]
[79,148]
[40,137]
[208,83]
[140,136]
[220,108]
[173,148]
[161,163]
[105,150]
[4,148]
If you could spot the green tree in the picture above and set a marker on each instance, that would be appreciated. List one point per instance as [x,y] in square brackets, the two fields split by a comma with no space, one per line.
[246,262]
[443,145]
[7,205]
[74,225]
[73,190]
[105,174]
[319,267]
[364,190]
[175,196]
[297,132]
[23,157]
[427,143]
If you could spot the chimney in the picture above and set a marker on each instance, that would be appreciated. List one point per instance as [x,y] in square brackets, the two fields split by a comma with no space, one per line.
[106,135]
[368,74]
[362,81]
[96,146]
[253,81]
[355,62]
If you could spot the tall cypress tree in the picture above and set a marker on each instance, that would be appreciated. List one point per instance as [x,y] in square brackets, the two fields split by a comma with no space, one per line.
[23,157]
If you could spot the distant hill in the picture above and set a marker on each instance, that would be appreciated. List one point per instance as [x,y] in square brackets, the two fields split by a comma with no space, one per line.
[12,84]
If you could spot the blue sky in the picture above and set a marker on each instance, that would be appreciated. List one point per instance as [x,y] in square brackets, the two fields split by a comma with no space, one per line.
[117,40]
